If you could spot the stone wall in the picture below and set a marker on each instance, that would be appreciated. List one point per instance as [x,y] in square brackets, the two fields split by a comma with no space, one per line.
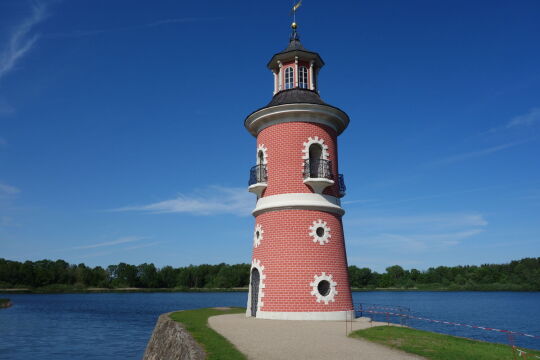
[170,341]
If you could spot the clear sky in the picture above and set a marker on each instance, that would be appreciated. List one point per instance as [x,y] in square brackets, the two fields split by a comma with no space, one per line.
[122,138]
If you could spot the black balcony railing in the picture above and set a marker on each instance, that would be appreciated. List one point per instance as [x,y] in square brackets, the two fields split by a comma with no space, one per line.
[318,168]
[258,174]
[341,183]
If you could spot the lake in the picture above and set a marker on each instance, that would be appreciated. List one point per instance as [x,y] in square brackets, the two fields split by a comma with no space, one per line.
[118,326]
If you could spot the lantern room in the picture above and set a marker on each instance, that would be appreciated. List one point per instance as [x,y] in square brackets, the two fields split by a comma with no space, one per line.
[295,67]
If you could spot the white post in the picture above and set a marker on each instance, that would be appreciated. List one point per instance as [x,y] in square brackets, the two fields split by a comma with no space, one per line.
[275,81]
[311,82]
[280,77]
[296,71]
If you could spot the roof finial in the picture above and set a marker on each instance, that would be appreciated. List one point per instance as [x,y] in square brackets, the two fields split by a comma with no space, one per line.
[294,34]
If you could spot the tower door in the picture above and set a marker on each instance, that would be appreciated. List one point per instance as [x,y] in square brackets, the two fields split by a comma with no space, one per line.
[255,279]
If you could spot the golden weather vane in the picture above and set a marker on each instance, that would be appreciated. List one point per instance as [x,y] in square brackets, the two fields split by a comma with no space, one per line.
[295,7]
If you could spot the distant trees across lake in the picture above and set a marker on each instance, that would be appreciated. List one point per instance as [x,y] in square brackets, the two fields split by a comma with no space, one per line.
[58,275]
[520,275]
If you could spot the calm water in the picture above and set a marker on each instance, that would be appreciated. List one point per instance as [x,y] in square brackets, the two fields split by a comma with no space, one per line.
[118,326]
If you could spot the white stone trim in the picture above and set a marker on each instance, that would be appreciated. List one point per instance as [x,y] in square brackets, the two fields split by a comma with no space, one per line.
[331,294]
[308,315]
[309,201]
[264,150]
[313,113]
[313,232]
[311,82]
[257,239]
[280,76]
[311,141]
[296,79]
[257,265]
[275,82]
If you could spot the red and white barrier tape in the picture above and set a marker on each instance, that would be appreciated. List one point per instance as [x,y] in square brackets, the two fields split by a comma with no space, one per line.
[453,323]
[383,308]
[521,352]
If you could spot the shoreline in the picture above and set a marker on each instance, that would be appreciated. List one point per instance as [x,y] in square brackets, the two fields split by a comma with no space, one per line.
[223,290]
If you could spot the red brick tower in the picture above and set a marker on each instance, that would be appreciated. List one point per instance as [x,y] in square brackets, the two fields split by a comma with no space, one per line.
[299,265]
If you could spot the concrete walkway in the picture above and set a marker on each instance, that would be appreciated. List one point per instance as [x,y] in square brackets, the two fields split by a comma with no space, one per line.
[287,339]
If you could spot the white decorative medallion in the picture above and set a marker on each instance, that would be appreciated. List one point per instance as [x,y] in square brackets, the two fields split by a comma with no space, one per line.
[257,235]
[324,288]
[320,232]
[315,140]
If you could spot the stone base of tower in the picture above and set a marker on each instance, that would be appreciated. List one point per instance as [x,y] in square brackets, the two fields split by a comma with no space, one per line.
[308,315]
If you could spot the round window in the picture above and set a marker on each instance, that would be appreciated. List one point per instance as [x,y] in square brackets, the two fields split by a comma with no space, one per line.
[320,231]
[324,287]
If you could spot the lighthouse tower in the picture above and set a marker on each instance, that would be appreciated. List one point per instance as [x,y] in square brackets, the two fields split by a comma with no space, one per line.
[299,264]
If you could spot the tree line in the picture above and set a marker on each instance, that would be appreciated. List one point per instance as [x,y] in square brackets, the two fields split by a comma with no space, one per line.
[521,274]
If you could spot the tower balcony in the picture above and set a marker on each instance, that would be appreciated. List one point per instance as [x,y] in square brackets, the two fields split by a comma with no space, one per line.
[258,179]
[342,187]
[318,174]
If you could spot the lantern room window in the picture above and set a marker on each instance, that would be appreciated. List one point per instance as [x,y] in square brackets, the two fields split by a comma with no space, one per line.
[303,77]
[289,78]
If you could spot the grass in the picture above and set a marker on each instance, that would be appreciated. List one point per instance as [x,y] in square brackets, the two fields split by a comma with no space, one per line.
[215,345]
[437,346]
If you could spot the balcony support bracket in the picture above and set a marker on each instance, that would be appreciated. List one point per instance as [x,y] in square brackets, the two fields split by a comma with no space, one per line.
[257,189]
[318,184]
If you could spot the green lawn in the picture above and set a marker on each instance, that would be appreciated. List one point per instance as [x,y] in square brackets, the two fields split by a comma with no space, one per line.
[438,346]
[215,345]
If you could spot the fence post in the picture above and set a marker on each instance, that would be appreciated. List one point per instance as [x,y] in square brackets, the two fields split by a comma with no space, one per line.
[511,343]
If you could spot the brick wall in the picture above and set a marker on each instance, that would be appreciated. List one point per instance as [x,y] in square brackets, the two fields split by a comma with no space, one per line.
[291,259]
[285,143]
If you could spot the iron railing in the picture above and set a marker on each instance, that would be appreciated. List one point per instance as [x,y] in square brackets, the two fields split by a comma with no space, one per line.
[318,168]
[258,174]
[384,313]
[341,183]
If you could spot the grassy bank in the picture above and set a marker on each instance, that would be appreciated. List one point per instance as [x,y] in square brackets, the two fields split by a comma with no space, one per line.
[4,303]
[215,345]
[437,346]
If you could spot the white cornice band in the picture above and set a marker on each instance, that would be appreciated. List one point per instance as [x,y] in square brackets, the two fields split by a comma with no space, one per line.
[308,315]
[314,113]
[299,201]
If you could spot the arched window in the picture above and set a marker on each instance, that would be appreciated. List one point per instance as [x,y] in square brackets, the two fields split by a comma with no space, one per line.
[315,163]
[303,77]
[260,157]
[289,78]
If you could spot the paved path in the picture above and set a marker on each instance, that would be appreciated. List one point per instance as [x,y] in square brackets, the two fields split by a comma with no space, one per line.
[288,339]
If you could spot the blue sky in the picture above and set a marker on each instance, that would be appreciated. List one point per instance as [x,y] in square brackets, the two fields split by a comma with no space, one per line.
[122,138]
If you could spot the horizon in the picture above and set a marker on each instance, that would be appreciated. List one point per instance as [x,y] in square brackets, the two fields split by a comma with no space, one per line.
[113,149]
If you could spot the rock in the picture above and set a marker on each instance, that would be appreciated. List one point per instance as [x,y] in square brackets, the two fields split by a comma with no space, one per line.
[171,341]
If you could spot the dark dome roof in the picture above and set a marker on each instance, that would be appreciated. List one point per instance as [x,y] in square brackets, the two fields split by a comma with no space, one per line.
[295,49]
[295,44]
[296,96]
